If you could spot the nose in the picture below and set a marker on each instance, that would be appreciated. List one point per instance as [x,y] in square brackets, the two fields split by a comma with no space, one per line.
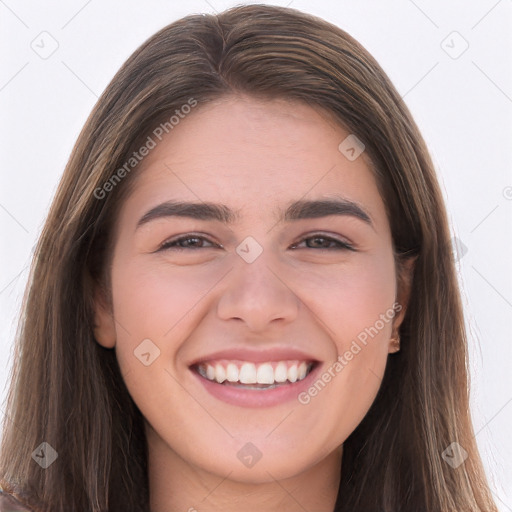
[258,295]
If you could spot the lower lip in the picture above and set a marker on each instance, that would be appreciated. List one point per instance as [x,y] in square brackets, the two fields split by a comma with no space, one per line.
[258,397]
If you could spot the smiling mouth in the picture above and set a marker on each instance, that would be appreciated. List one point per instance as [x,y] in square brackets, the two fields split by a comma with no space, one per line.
[256,376]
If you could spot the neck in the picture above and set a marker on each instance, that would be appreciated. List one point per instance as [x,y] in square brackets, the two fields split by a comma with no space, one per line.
[177,486]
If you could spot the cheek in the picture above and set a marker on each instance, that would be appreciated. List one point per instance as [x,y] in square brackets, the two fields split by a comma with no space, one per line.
[153,301]
[368,294]
[351,298]
[150,298]
[357,307]
[153,305]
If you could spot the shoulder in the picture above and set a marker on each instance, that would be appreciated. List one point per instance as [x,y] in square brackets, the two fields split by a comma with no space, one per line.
[9,503]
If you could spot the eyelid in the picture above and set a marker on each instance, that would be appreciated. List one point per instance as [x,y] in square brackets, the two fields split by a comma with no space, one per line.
[344,244]
[185,236]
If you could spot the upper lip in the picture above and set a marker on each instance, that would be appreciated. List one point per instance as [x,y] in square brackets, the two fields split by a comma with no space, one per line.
[257,356]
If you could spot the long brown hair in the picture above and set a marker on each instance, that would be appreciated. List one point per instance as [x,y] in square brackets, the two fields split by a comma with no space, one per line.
[67,390]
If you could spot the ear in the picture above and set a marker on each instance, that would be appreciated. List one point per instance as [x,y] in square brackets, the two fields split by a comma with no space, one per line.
[404,282]
[104,324]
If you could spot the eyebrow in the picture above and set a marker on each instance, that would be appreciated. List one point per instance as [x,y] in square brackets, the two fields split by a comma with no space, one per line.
[297,210]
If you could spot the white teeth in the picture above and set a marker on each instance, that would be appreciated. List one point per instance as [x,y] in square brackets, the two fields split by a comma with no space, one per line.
[292,373]
[302,371]
[220,373]
[250,373]
[210,372]
[232,372]
[247,374]
[265,374]
[281,372]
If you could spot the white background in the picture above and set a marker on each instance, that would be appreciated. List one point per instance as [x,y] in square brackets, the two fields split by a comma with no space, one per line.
[462,105]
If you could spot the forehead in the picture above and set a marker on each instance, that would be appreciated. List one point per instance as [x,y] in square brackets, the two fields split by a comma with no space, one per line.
[257,156]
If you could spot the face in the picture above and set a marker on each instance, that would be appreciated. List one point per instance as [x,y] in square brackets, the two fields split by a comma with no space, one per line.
[291,310]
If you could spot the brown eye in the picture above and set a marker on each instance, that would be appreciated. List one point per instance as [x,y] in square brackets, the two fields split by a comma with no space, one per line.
[183,243]
[325,242]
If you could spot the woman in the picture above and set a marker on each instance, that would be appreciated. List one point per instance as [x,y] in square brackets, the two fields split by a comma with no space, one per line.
[306,351]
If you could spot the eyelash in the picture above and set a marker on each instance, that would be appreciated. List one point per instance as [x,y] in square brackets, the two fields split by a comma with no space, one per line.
[171,244]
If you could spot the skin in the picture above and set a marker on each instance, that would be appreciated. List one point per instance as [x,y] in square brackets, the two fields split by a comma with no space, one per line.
[256,157]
